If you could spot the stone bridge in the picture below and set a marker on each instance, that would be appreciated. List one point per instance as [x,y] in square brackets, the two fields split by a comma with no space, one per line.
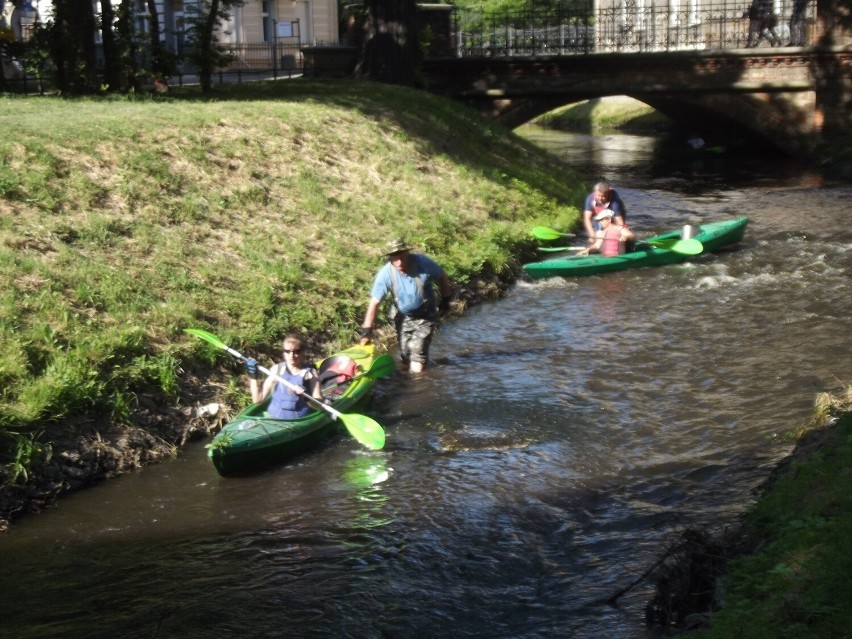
[793,97]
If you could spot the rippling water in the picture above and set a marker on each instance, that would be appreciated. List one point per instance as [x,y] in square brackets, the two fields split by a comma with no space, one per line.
[564,438]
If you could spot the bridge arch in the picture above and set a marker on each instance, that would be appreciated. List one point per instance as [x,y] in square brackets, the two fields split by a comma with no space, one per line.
[735,116]
[772,94]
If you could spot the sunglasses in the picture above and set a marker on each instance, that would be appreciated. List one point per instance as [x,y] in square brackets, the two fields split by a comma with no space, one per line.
[295,351]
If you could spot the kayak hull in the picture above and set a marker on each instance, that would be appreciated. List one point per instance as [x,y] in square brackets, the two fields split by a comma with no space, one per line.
[713,236]
[253,440]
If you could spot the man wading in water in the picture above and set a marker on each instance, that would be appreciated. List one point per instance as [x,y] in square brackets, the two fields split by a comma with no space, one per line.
[409,276]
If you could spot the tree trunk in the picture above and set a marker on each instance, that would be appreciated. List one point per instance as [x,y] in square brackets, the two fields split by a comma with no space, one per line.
[73,49]
[127,50]
[159,67]
[205,42]
[86,30]
[391,50]
[112,55]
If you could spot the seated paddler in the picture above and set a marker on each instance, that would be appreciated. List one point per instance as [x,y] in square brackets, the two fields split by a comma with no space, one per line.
[611,239]
[287,403]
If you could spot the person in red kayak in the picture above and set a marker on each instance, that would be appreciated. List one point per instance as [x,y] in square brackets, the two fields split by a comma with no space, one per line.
[611,239]
[287,403]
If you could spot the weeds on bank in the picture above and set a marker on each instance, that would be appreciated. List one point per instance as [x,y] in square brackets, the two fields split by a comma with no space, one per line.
[258,212]
[27,450]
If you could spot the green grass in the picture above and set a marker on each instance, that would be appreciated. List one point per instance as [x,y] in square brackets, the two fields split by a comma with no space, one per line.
[260,210]
[797,584]
[617,113]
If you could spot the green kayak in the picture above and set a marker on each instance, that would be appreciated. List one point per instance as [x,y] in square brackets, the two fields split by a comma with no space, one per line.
[253,440]
[713,236]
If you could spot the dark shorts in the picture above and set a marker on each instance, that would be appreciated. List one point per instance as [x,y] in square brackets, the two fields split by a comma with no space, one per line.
[414,337]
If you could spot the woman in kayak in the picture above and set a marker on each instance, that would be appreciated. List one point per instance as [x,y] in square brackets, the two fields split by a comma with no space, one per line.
[611,239]
[287,403]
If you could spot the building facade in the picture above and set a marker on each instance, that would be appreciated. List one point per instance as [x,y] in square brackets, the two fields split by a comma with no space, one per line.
[289,24]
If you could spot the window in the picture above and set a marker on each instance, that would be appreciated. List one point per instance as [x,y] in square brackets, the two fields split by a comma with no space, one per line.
[268,20]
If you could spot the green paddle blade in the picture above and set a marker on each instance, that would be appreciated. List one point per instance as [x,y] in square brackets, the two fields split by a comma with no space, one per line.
[206,336]
[544,233]
[684,247]
[365,430]
[688,247]
[382,366]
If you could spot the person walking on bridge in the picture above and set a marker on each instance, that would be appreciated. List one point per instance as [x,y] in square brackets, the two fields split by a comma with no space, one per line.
[797,23]
[761,23]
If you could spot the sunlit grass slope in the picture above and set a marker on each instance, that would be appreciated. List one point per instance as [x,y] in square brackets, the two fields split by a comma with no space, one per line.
[261,210]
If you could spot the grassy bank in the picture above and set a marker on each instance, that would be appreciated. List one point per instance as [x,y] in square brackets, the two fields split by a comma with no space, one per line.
[796,583]
[784,571]
[617,113]
[259,211]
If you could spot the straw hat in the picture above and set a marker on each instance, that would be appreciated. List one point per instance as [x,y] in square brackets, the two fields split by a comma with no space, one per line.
[396,245]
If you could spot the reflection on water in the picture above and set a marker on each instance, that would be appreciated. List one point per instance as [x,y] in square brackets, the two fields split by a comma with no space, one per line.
[564,437]
[364,472]
[644,162]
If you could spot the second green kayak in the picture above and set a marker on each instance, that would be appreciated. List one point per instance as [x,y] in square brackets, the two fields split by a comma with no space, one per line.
[713,236]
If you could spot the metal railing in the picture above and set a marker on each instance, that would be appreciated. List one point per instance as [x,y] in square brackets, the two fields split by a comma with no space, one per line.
[631,26]
[263,56]
[627,27]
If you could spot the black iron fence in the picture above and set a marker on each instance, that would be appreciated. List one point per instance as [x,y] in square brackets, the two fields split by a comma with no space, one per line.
[631,27]
[263,56]
[249,63]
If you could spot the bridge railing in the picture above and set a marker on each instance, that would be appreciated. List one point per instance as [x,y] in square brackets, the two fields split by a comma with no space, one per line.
[628,27]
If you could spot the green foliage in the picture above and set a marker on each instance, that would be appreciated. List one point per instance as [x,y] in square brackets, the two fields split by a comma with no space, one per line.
[20,452]
[36,54]
[795,585]
[204,22]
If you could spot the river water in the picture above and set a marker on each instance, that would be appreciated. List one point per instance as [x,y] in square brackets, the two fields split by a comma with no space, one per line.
[564,439]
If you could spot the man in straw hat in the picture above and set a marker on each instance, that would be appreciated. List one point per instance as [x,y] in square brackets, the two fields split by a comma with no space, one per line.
[409,277]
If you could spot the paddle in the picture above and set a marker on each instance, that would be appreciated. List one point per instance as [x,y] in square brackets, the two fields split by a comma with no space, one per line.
[361,427]
[382,366]
[560,248]
[684,247]
[545,233]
